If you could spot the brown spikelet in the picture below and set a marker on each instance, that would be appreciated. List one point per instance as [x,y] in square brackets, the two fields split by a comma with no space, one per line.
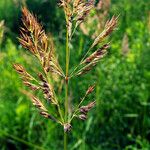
[101,52]
[36,102]
[86,69]
[90,90]
[26,77]
[109,27]
[47,89]
[48,116]
[76,3]
[68,14]
[93,59]
[85,109]
[31,86]
[83,117]
[82,9]
[19,68]
[43,111]
[22,71]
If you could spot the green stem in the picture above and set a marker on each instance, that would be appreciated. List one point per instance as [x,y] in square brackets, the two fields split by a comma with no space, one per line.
[60,113]
[66,86]
[65,140]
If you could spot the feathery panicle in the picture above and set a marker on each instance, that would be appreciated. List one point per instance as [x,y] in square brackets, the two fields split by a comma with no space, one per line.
[34,39]
[32,36]
[109,27]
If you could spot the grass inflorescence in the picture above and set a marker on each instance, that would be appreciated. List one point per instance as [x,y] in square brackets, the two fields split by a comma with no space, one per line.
[34,38]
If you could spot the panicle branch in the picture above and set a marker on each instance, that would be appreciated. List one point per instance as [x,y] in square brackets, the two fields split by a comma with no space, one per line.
[109,27]
[91,61]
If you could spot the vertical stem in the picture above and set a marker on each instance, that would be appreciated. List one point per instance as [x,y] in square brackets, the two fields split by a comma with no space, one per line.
[67,53]
[65,140]
[66,86]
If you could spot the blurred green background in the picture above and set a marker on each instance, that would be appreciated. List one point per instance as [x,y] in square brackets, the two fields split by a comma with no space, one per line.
[121,118]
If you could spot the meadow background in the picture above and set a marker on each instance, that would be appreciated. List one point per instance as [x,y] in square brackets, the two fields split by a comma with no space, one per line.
[121,118]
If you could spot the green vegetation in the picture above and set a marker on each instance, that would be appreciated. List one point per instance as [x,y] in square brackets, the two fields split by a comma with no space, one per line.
[121,119]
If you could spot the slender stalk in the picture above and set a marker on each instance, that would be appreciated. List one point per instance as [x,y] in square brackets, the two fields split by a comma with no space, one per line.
[65,140]
[66,86]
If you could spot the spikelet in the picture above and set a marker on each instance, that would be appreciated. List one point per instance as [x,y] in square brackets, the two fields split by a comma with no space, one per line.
[96,19]
[33,87]
[82,117]
[26,77]
[93,59]
[76,3]
[22,71]
[81,10]
[90,89]
[109,27]
[68,14]
[47,89]
[85,109]
[43,111]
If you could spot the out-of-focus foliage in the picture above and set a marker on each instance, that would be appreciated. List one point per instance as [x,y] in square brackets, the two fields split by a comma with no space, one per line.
[121,119]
